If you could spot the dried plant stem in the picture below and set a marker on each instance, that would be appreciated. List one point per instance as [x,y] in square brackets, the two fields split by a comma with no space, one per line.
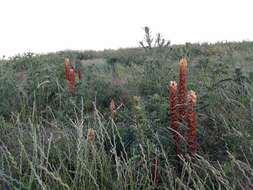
[91,135]
[155,173]
[113,109]
[80,76]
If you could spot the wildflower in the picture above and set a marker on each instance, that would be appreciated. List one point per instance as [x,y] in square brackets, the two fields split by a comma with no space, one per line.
[67,68]
[173,112]
[182,88]
[91,135]
[191,120]
[72,82]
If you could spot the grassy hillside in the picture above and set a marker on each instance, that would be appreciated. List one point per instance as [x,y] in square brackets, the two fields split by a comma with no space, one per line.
[46,139]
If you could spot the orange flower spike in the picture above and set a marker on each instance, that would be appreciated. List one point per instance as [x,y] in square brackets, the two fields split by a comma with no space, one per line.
[191,120]
[67,68]
[112,108]
[182,88]
[91,135]
[72,82]
[173,113]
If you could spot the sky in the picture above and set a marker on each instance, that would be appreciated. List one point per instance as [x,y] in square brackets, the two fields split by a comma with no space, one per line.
[43,26]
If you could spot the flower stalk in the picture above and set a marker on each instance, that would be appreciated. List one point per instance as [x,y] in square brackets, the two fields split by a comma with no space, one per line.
[191,120]
[182,90]
[67,68]
[72,82]
[173,113]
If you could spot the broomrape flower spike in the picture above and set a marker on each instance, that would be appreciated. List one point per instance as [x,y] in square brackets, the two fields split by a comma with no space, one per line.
[191,120]
[173,112]
[182,88]
[91,135]
[72,82]
[67,68]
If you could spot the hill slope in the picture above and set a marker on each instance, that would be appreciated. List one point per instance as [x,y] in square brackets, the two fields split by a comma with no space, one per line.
[46,134]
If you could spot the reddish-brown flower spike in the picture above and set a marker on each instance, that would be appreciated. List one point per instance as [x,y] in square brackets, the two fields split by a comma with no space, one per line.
[191,120]
[112,108]
[72,82]
[173,113]
[67,68]
[182,90]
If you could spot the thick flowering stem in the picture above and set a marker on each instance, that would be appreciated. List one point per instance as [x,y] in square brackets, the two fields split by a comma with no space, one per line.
[72,82]
[182,90]
[173,113]
[191,120]
[67,68]
[113,109]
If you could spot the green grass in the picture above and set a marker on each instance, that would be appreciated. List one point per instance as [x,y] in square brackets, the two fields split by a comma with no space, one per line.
[43,130]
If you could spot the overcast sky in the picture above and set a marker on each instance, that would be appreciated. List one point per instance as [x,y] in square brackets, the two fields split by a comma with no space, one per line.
[51,25]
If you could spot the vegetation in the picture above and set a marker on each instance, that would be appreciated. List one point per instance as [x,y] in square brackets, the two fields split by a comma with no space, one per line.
[113,128]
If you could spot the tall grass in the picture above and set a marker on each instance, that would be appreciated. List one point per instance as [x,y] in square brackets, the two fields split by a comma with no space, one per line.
[52,157]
